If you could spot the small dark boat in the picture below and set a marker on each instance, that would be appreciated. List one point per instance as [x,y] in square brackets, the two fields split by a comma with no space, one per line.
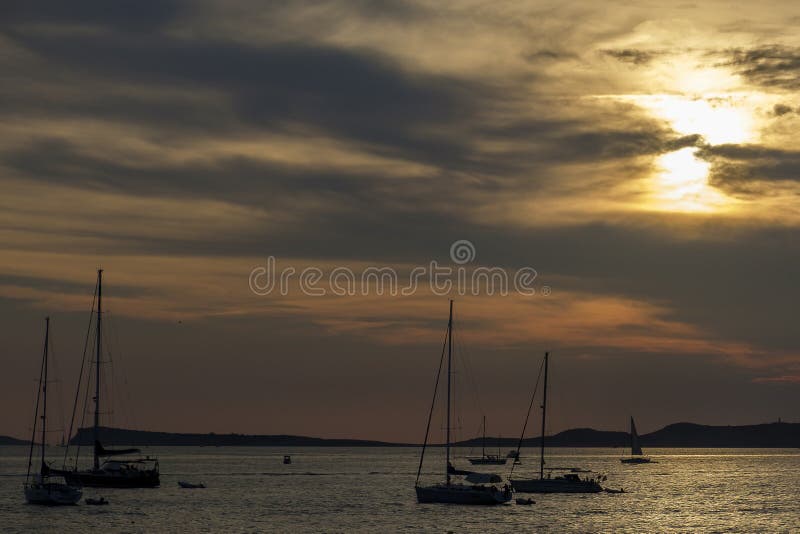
[487,459]
[97,502]
[190,485]
[287,459]
[525,502]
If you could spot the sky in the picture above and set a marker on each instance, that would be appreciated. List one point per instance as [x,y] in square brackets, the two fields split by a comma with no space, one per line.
[638,160]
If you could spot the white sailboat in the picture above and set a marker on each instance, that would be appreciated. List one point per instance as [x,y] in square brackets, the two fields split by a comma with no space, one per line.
[567,483]
[44,487]
[477,488]
[636,456]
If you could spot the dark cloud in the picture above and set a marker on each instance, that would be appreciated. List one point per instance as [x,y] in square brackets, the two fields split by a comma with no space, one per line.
[633,55]
[781,109]
[356,94]
[770,66]
[548,54]
[749,170]
[60,286]
[126,15]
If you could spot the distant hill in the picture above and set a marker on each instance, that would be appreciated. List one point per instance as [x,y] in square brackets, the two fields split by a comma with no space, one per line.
[693,435]
[770,435]
[578,437]
[8,440]
[119,436]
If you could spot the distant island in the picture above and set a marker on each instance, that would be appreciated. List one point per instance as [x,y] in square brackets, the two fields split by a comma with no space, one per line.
[6,440]
[769,435]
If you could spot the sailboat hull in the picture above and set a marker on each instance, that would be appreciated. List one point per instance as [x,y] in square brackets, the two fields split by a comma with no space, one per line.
[635,460]
[556,485]
[52,494]
[462,494]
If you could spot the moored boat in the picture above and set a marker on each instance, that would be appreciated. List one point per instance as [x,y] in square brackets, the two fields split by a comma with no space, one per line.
[45,486]
[484,458]
[636,457]
[108,471]
[483,491]
[567,483]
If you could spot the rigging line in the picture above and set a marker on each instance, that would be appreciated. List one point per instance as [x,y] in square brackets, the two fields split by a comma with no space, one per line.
[430,413]
[109,382]
[527,416]
[36,415]
[123,389]
[92,363]
[80,379]
[107,386]
[470,379]
[59,396]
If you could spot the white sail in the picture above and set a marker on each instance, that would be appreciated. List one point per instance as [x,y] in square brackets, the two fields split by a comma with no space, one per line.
[636,448]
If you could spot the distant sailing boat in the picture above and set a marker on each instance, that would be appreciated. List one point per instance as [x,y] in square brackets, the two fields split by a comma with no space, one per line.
[125,473]
[483,490]
[486,459]
[568,483]
[40,489]
[636,456]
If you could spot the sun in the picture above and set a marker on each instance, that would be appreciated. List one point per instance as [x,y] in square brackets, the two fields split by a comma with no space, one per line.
[718,119]
[682,183]
[702,101]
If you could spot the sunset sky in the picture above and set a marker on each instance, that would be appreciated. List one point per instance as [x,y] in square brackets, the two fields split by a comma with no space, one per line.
[642,158]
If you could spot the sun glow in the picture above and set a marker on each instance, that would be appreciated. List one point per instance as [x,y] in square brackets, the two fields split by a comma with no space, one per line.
[682,183]
[719,119]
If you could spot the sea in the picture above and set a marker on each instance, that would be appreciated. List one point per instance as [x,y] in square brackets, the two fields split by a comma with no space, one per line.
[332,489]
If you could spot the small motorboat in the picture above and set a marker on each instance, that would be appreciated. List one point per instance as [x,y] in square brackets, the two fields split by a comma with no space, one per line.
[190,485]
[96,501]
[525,502]
[614,490]
[287,459]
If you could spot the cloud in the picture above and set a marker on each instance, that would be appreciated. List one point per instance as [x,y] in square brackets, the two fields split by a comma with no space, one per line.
[770,65]
[125,15]
[781,109]
[177,144]
[633,55]
[782,379]
[752,170]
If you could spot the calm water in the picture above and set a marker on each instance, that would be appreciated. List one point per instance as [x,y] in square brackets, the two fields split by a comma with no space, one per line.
[351,489]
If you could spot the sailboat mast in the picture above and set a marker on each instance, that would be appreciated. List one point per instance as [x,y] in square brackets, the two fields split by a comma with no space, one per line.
[544,416]
[98,352]
[483,446]
[44,389]
[449,379]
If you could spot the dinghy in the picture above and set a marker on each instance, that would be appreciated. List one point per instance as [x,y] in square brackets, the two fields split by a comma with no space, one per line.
[190,485]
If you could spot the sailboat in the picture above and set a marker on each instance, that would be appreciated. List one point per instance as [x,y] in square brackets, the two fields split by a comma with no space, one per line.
[41,488]
[486,459]
[479,488]
[567,483]
[636,456]
[136,472]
